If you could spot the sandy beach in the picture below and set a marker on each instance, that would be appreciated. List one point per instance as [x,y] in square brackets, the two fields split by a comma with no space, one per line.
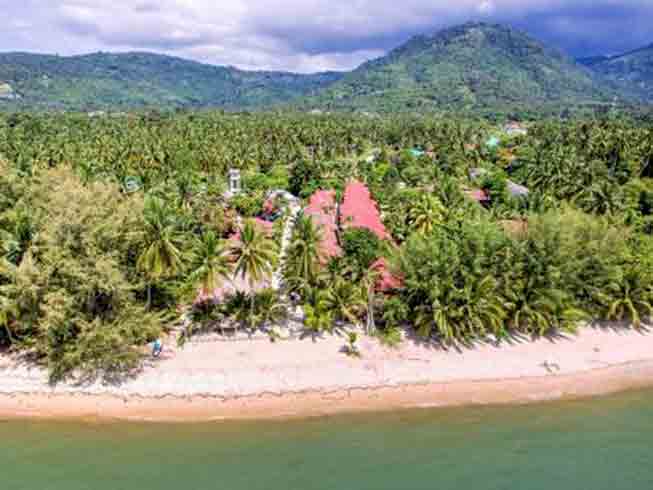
[260,379]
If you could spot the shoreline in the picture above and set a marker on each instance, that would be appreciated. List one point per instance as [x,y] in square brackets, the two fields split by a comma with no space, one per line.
[259,380]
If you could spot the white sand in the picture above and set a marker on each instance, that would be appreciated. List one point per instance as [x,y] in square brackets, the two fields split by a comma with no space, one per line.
[237,377]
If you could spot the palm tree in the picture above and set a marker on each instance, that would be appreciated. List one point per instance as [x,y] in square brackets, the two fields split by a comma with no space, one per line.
[303,255]
[463,313]
[9,310]
[343,299]
[269,308]
[426,214]
[368,284]
[210,264]
[255,256]
[161,257]
[630,298]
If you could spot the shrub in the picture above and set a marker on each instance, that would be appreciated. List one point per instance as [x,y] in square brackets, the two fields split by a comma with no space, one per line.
[362,247]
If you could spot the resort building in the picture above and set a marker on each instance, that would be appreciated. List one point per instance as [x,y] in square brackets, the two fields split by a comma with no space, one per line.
[359,210]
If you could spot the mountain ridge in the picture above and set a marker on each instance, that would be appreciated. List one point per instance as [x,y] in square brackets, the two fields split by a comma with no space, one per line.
[132,79]
[475,66]
[630,72]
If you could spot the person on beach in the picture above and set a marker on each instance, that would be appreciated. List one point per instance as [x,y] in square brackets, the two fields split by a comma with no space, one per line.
[157,348]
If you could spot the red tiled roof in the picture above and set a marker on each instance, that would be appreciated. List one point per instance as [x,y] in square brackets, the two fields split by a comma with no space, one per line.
[359,210]
[322,210]
[387,281]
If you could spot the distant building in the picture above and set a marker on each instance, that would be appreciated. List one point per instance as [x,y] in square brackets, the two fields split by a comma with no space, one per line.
[515,129]
[517,190]
[416,152]
[7,92]
[493,142]
[235,186]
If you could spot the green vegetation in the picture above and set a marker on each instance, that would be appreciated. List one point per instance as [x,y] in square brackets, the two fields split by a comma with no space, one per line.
[106,81]
[472,68]
[631,72]
[109,225]
[475,67]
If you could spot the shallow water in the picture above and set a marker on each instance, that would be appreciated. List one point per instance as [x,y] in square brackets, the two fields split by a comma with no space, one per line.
[600,444]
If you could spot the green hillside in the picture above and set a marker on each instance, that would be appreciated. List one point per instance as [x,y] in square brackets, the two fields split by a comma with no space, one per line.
[631,72]
[473,66]
[129,80]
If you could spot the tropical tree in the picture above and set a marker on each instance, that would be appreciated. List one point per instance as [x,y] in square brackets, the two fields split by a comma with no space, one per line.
[255,256]
[210,263]
[426,214]
[9,310]
[630,299]
[302,263]
[344,301]
[161,257]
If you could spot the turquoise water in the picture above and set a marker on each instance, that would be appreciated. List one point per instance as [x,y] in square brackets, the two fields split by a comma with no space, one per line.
[601,444]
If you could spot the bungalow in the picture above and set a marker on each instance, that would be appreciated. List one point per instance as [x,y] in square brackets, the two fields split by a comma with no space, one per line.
[515,129]
[517,190]
[359,210]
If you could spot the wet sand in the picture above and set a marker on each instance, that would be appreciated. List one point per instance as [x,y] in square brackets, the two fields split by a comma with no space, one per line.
[258,379]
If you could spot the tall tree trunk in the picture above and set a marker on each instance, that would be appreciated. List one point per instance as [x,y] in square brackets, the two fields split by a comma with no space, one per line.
[370,312]
[251,312]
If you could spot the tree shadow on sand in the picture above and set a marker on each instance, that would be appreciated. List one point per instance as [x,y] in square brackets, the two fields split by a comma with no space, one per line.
[437,343]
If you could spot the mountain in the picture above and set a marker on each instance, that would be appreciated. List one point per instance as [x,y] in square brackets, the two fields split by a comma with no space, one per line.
[473,66]
[631,72]
[590,61]
[104,80]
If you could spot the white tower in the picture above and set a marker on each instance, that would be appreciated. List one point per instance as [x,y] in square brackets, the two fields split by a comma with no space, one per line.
[234,181]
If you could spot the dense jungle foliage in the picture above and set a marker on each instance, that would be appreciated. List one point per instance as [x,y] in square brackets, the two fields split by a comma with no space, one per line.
[108,225]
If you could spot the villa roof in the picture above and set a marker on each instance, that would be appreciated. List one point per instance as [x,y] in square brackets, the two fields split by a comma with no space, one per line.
[359,210]
[387,281]
[517,190]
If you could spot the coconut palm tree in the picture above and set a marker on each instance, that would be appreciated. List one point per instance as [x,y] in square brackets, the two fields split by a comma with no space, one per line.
[210,263]
[255,256]
[9,310]
[344,300]
[631,298]
[303,255]
[426,214]
[161,257]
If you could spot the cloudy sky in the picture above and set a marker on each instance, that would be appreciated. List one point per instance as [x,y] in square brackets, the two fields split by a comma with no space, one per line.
[306,35]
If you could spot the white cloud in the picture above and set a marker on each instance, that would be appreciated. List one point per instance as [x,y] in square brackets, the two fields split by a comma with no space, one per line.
[486,7]
[301,35]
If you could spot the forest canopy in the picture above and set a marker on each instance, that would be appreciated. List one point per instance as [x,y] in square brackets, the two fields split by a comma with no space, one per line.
[110,225]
